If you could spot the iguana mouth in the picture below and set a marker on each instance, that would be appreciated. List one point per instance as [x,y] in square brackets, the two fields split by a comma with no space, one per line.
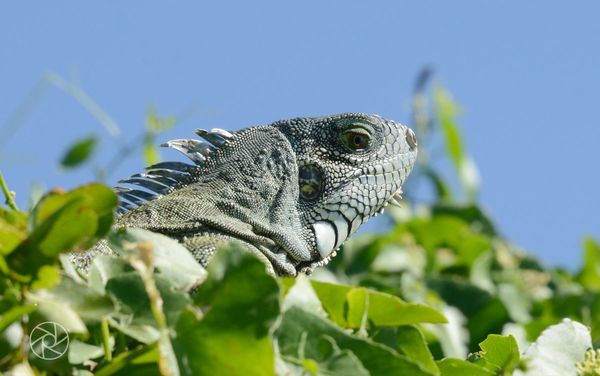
[282,262]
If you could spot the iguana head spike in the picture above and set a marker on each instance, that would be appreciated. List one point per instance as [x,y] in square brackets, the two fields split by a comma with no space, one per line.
[165,177]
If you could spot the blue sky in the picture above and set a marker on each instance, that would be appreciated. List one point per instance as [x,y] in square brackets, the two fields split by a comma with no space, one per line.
[526,74]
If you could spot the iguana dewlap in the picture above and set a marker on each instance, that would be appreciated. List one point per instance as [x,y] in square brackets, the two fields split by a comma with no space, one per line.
[292,191]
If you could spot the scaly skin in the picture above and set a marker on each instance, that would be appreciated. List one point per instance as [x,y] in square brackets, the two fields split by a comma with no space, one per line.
[292,191]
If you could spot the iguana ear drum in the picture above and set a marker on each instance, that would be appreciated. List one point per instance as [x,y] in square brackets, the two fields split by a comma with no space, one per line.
[411,139]
[310,179]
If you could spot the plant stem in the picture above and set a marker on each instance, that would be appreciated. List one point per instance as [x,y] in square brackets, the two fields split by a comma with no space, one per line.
[106,340]
[10,197]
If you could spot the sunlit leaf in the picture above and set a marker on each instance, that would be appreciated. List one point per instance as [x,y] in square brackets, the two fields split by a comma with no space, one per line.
[499,354]
[13,229]
[156,123]
[350,306]
[447,111]
[589,276]
[150,151]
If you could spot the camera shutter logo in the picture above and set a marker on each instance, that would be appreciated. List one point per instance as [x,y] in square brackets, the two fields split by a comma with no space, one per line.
[49,340]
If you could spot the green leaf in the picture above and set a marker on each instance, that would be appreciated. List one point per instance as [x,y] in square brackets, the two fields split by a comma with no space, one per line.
[459,241]
[411,343]
[459,367]
[387,310]
[173,261]
[78,218]
[104,268]
[81,351]
[333,298]
[349,306]
[70,304]
[135,317]
[477,218]
[589,276]
[331,361]
[73,224]
[142,361]
[57,311]
[447,112]
[150,151]
[241,304]
[47,277]
[10,315]
[442,190]
[99,198]
[128,289]
[79,152]
[156,124]
[301,333]
[62,222]
[13,229]
[499,354]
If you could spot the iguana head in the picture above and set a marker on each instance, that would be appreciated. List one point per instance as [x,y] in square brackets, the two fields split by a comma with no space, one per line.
[295,189]
[350,166]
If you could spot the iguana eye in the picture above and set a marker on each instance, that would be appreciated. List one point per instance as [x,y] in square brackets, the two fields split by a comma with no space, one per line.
[310,179]
[356,139]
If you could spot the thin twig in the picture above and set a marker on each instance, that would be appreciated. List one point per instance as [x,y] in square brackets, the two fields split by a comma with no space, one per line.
[106,340]
[24,108]
[10,196]
[86,101]
[120,156]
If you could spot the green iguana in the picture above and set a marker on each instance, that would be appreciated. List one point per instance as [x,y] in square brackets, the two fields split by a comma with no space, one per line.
[292,191]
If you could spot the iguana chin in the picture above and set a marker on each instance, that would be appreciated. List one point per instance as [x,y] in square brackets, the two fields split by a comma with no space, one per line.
[292,191]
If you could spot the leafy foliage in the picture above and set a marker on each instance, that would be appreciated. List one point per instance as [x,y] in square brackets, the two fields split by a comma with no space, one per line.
[442,293]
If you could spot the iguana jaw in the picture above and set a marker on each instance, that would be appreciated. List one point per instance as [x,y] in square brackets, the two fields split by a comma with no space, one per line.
[308,267]
[281,261]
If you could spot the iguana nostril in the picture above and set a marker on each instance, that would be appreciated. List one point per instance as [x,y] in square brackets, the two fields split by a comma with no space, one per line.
[411,138]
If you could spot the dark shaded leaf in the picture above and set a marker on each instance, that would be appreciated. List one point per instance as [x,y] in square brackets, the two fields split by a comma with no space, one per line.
[348,305]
